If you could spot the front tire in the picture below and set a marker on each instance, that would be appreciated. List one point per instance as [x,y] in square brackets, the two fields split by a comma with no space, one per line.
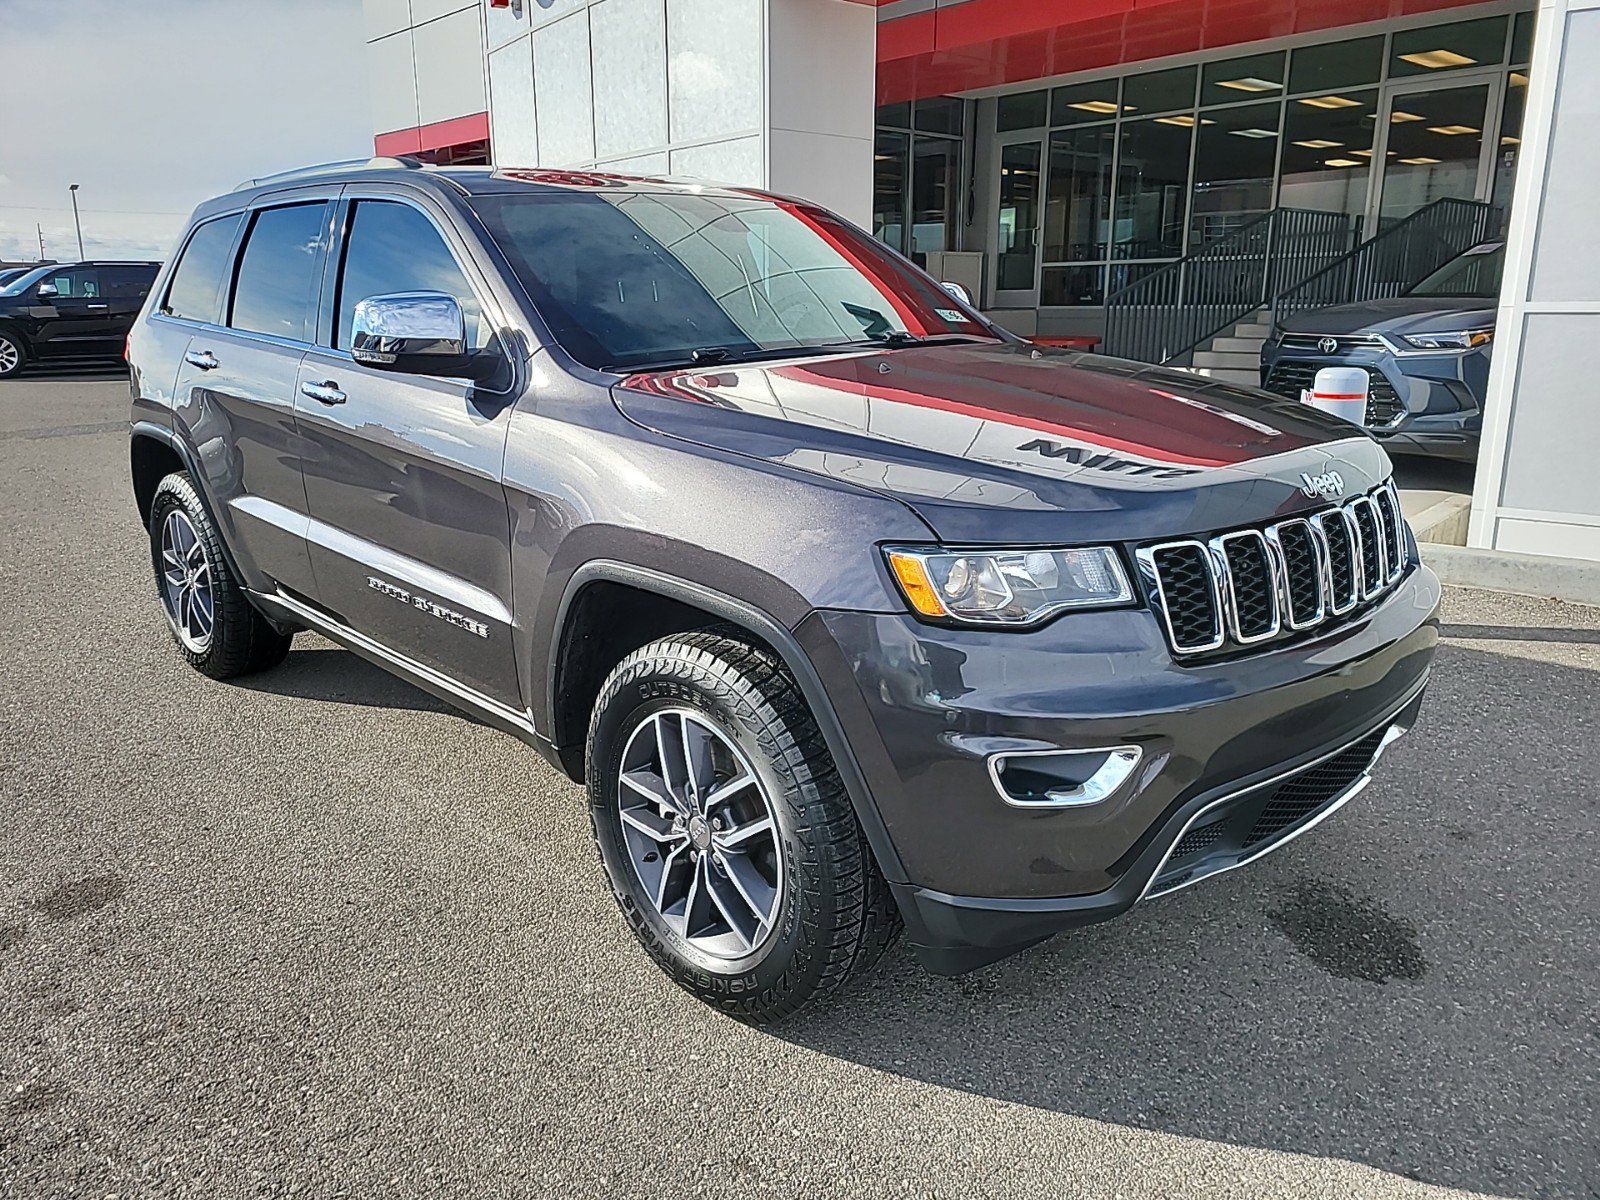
[13,354]
[212,620]
[727,835]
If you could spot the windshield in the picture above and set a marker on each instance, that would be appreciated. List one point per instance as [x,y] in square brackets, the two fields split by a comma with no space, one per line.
[1474,275]
[633,280]
[24,281]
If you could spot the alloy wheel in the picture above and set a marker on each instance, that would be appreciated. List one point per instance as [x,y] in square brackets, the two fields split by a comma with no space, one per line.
[700,832]
[10,356]
[186,583]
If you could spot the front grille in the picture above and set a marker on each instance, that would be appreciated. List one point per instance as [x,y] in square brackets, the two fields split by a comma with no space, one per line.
[1250,823]
[1291,376]
[1248,586]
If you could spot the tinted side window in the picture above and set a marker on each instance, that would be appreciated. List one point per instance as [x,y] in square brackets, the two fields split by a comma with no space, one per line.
[197,282]
[82,283]
[394,248]
[273,290]
[128,283]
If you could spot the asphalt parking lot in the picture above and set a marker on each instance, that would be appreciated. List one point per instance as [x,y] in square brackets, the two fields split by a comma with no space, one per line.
[316,933]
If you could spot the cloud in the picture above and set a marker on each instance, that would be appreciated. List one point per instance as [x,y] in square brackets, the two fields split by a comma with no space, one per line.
[149,128]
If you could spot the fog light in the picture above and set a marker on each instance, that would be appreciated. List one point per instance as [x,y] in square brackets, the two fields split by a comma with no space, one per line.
[1062,778]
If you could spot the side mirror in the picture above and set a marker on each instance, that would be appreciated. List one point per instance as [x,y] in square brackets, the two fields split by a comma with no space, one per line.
[959,292]
[47,291]
[416,333]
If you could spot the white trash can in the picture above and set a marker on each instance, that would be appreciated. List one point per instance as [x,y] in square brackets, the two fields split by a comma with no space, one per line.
[1341,391]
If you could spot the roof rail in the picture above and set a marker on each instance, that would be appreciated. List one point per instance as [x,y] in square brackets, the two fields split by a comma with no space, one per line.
[404,163]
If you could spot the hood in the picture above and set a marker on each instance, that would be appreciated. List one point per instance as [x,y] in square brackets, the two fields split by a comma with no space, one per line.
[1403,314]
[1008,443]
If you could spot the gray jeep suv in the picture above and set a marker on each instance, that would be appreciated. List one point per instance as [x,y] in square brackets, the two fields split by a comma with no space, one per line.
[850,610]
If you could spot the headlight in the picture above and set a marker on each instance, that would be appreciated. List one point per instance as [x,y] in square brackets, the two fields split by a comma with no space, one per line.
[1460,339]
[1008,587]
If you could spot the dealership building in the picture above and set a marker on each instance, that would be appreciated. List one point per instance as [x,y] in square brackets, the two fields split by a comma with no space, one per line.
[1158,178]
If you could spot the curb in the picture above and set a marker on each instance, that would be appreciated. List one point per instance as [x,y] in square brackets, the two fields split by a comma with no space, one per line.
[1572,579]
[1445,522]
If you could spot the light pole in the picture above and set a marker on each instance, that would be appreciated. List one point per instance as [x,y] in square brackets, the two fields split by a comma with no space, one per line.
[75,221]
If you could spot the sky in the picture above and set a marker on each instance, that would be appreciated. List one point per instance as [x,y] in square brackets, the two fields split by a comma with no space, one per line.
[155,105]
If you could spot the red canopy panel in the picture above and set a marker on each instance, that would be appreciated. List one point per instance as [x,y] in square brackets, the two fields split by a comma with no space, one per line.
[986,43]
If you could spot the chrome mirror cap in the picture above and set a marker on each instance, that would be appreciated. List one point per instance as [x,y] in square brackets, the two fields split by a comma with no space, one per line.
[388,330]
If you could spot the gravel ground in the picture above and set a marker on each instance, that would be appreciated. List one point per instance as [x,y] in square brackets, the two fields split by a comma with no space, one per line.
[316,933]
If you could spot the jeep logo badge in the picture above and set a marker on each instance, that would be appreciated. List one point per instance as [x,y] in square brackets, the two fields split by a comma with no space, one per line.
[1328,345]
[1329,485]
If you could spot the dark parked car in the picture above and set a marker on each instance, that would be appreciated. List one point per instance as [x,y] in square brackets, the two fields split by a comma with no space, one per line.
[70,311]
[1426,354]
[849,609]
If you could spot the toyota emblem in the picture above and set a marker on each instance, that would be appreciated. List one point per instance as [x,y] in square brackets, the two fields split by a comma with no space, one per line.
[1328,345]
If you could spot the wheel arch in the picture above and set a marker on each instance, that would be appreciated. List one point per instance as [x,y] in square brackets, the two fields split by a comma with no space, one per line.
[573,678]
[154,452]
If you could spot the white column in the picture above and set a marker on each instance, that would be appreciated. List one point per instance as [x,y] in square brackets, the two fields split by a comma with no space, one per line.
[1538,481]
[773,94]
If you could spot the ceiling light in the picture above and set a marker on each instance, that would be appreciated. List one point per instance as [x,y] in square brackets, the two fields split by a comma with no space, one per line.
[1254,133]
[1249,84]
[1331,102]
[1399,118]
[1183,120]
[1343,162]
[1318,144]
[1517,79]
[1508,140]
[1097,106]
[1362,153]
[1453,130]
[1420,162]
[1436,59]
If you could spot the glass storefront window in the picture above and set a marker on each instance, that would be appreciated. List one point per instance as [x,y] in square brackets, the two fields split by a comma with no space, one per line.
[1159,91]
[1152,189]
[1336,65]
[1435,155]
[1327,152]
[940,114]
[1254,77]
[1072,286]
[1522,37]
[1082,102]
[935,180]
[1448,47]
[1234,163]
[1505,161]
[897,115]
[1077,206]
[889,188]
[1019,217]
[1023,110]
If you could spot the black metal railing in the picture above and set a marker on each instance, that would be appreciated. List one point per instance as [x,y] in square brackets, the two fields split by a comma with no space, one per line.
[1162,317]
[1396,259]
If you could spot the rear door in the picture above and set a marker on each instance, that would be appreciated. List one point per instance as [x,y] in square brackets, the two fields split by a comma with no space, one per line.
[77,321]
[409,532]
[125,287]
[235,392]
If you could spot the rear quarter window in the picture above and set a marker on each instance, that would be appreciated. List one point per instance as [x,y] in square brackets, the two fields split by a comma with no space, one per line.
[196,289]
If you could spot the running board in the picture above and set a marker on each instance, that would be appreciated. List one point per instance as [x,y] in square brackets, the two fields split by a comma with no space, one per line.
[432,681]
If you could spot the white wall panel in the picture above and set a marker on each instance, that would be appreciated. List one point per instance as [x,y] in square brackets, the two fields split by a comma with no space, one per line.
[500,25]
[738,161]
[562,97]
[423,11]
[391,72]
[513,130]
[836,172]
[546,12]
[639,164]
[822,66]
[383,17]
[714,67]
[629,40]
[450,67]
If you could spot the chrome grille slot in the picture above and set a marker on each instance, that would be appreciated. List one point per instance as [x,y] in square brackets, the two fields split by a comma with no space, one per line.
[1246,587]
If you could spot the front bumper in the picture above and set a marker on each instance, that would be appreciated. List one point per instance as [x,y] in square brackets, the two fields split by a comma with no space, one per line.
[1437,404]
[925,708]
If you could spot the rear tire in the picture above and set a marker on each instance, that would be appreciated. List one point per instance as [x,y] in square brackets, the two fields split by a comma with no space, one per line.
[13,354]
[786,843]
[208,613]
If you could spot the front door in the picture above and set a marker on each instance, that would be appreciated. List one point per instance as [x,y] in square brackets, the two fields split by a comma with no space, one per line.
[77,320]
[1435,145]
[1020,210]
[409,537]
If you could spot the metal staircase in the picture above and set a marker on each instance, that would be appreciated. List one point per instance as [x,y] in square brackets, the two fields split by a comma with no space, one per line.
[1212,310]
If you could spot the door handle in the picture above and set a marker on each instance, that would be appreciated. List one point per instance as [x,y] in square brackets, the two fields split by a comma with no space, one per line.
[97,306]
[327,392]
[203,359]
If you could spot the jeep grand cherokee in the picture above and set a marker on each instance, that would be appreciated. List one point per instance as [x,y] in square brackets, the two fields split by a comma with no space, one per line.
[850,610]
